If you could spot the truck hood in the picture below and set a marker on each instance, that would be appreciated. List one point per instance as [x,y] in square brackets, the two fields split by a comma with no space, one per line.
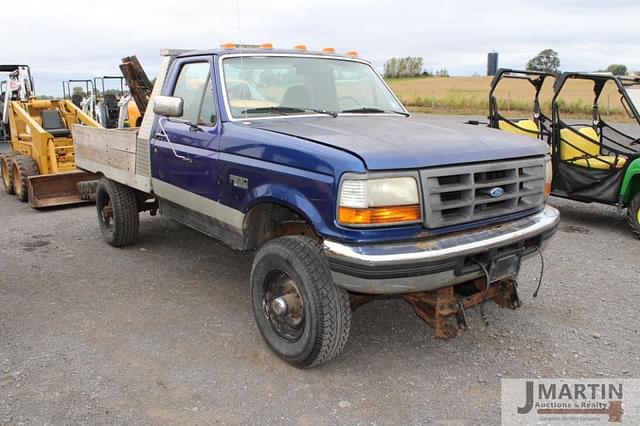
[389,142]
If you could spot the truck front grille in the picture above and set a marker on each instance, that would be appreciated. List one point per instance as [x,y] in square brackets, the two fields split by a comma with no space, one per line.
[461,194]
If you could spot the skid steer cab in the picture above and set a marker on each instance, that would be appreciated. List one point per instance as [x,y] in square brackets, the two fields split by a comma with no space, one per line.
[309,160]
[40,167]
[594,159]
[18,86]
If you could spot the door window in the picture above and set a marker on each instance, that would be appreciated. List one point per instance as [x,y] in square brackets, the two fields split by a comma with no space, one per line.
[194,87]
[207,115]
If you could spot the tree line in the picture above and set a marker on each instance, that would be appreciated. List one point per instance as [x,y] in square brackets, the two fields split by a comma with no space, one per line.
[547,60]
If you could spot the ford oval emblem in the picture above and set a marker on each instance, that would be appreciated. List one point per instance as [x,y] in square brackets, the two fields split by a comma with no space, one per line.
[496,192]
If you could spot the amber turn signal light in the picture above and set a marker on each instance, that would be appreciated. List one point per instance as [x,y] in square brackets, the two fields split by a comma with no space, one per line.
[379,215]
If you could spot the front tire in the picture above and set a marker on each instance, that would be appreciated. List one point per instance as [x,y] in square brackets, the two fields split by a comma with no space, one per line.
[117,210]
[302,315]
[633,215]
[23,166]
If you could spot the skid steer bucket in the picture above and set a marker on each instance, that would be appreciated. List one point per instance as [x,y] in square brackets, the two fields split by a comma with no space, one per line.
[57,189]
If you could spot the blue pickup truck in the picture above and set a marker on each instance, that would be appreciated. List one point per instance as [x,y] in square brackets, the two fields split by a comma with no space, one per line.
[310,160]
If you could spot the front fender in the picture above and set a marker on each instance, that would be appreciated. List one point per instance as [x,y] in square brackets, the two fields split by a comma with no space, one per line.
[313,213]
[631,182]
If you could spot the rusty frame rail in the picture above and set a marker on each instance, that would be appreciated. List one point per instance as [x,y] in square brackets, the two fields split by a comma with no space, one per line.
[441,307]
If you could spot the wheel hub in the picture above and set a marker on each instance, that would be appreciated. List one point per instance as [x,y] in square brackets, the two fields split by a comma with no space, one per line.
[283,306]
[107,213]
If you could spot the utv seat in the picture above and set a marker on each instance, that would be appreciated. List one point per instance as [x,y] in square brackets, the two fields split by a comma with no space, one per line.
[52,122]
[591,157]
[522,127]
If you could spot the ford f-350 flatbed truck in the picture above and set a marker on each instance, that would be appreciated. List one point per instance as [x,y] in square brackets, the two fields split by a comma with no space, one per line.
[311,161]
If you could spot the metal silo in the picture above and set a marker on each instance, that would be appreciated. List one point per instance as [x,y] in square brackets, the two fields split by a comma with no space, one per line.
[492,63]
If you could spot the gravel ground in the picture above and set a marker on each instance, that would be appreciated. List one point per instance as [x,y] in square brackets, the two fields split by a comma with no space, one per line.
[162,332]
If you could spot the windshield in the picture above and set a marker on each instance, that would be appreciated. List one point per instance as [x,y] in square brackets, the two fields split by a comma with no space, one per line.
[264,86]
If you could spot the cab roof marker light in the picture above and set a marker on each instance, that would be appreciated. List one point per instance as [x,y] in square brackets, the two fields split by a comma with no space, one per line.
[228,45]
[328,50]
[266,46]
[351,53]
[300,47]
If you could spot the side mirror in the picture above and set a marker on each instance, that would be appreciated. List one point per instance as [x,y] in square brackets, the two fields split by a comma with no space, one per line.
[168,106]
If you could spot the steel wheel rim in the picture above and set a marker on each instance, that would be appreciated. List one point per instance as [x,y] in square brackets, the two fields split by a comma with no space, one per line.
[18,179]
[283,306]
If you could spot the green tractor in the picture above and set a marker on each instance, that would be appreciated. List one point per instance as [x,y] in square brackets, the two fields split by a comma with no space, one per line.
[594,161]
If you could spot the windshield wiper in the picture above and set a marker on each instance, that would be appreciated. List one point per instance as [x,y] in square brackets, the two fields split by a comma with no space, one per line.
[284,110]
[371,110]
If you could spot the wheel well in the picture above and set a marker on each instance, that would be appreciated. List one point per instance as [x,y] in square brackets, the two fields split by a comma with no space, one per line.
[267,221]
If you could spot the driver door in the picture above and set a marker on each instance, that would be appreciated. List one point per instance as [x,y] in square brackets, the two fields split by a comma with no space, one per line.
[185,156]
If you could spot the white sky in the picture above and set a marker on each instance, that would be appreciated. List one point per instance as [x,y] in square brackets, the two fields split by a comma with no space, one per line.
[86,38]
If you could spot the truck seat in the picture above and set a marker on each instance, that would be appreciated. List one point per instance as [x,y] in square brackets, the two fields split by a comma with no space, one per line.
[297,97]
[592,158]
[529,125]
[52,122]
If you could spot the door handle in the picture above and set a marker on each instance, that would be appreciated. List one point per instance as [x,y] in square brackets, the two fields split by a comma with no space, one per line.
[173,149]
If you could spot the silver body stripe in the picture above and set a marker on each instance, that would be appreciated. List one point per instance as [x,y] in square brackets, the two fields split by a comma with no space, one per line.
[231,217]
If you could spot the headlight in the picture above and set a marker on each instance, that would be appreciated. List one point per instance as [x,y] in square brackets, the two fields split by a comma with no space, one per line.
[548,177]
[381,201]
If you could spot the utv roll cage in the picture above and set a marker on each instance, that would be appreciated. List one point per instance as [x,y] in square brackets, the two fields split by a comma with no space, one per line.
[590,159]
[536,79]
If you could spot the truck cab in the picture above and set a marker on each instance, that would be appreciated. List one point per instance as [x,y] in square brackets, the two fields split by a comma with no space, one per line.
[310,160]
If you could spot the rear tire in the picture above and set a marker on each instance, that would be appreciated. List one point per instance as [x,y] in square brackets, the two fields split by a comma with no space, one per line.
[87,190]
[117,210]
[633,215]
[23,167]
[314,325]
[6,168]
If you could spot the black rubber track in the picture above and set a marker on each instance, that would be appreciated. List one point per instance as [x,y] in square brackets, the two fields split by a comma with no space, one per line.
[26,167]
[327,308]
[123,229]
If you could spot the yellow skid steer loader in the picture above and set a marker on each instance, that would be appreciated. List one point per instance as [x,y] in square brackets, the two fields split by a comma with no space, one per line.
[40,168]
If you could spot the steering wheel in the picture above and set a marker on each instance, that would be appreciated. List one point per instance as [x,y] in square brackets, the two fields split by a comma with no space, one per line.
[351,99]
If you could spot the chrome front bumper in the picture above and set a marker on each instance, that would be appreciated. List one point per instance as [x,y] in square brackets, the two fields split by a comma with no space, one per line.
[437,262]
